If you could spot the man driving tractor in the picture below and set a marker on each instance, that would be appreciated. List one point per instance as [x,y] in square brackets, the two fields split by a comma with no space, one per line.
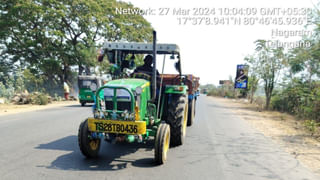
[147,66]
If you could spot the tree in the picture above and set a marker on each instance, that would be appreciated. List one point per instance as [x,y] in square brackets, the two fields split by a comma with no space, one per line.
[267,63]
[49,37]
[5,69]
[253,82]
[253,79]
[306,60]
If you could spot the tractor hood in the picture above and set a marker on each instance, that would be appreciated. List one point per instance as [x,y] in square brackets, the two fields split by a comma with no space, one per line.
[131,84]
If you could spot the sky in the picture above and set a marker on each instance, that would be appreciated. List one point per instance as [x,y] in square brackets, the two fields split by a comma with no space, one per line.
[212,52]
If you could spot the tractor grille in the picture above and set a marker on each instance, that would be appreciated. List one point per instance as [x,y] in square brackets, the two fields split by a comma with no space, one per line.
[109,105]
[124,106]
[123,99]
[121,106]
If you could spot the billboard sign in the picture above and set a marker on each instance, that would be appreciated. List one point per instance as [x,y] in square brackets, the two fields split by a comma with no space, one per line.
[241,81]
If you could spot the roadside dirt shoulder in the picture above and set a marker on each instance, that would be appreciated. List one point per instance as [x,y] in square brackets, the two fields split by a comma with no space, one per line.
[6,109]
[284,129]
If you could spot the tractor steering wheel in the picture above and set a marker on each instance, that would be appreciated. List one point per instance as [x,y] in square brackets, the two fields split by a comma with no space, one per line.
[141,75]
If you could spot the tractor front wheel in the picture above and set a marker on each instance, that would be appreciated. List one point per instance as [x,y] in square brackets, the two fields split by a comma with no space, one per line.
[88,145]
[162,143]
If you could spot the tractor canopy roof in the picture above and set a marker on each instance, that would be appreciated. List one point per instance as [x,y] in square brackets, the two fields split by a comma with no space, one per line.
[141,48]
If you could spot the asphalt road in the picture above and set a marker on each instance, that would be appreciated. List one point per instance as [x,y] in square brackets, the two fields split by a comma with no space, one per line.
[43,145]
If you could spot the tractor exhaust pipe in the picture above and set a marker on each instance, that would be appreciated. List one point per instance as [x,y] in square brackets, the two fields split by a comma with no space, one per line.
[154,73]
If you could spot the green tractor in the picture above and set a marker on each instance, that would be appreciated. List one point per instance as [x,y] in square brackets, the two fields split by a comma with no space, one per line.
[138,106]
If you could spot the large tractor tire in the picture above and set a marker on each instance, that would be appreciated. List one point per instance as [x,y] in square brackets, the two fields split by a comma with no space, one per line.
[191,112]
[88,146]
[177,118]
[162,143]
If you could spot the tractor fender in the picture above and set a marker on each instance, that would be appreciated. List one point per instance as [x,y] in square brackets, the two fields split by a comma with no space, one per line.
[176,89]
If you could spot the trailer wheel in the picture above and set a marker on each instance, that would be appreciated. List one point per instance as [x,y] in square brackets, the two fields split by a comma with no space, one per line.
[88,146]
[191,112]
[162,143]
[177,118]
[195,105]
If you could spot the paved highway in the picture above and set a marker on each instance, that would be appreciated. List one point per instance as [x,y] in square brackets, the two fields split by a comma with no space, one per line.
[43,145]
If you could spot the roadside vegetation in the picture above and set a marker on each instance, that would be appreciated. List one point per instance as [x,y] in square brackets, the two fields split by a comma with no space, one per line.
[44,43]
[289,78]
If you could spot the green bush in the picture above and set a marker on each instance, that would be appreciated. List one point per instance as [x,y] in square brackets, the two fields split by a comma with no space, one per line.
[311,125]
[6,91]
[43,99]
[39,98]
[223,91]
[57,97]
[278,103]
[300,98]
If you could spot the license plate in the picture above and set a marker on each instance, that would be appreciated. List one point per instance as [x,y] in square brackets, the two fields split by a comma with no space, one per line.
[115,126]
[88,97]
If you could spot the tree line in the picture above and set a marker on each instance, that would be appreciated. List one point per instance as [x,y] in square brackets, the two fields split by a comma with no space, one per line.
[290,77]
[46,42]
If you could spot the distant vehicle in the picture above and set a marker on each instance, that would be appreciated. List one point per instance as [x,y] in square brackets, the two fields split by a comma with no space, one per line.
[204,91]
[84,82]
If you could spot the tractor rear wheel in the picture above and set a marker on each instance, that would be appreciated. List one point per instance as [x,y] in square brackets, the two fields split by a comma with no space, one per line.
[191,112]
[88,146]
[177,118]
[162,143]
